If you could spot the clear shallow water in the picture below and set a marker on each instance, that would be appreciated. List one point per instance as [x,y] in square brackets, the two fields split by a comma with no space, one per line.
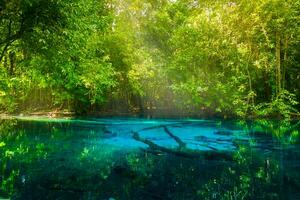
[101,159]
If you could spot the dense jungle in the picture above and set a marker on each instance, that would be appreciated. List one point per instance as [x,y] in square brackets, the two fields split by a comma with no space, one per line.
[149,99]
[229,59]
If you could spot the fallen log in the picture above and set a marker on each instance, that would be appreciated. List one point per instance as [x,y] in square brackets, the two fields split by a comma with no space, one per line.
[177,139]
[154,146]
[162,126]
[186,153]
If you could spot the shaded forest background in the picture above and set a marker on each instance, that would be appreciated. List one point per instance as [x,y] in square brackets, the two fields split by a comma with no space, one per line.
[186,57]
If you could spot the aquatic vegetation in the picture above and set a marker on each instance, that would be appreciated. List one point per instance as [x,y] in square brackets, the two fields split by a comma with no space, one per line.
[66,160]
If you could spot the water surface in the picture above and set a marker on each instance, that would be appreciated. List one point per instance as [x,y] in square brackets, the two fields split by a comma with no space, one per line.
[96,158]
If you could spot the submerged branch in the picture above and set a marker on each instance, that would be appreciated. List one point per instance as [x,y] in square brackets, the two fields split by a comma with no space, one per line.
[164,125]
[177,139]
[186,153]
[154,146]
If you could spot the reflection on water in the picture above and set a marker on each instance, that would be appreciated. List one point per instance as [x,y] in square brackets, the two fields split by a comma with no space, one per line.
[148,159]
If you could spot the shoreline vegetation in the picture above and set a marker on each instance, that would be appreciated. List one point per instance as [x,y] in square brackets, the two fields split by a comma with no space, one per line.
[151,115]
[158,58]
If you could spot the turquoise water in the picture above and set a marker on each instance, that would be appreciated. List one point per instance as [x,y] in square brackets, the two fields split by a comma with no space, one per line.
[96,158]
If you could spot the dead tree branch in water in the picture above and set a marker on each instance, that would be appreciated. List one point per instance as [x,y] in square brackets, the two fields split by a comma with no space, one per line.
[186,153]
[177,139]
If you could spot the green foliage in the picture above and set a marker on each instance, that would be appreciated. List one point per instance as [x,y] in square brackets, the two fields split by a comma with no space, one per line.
[282,106]
[58,49]
[219,61]
[236,59]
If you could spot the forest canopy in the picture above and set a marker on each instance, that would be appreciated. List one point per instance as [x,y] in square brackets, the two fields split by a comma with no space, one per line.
[204,58]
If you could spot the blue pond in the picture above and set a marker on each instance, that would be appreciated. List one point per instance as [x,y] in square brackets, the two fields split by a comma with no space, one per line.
[128,158]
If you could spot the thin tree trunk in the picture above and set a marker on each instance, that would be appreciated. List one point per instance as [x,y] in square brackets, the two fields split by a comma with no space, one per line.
[12,57]
[284,61]
[278,63]
[250,98]
[267,88]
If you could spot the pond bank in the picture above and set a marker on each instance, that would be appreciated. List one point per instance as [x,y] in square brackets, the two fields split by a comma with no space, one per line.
[149,114]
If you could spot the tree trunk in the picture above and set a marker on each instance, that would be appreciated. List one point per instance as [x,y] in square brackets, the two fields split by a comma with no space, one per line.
[12,57]
[284,61]
[267,87]
[278,63]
